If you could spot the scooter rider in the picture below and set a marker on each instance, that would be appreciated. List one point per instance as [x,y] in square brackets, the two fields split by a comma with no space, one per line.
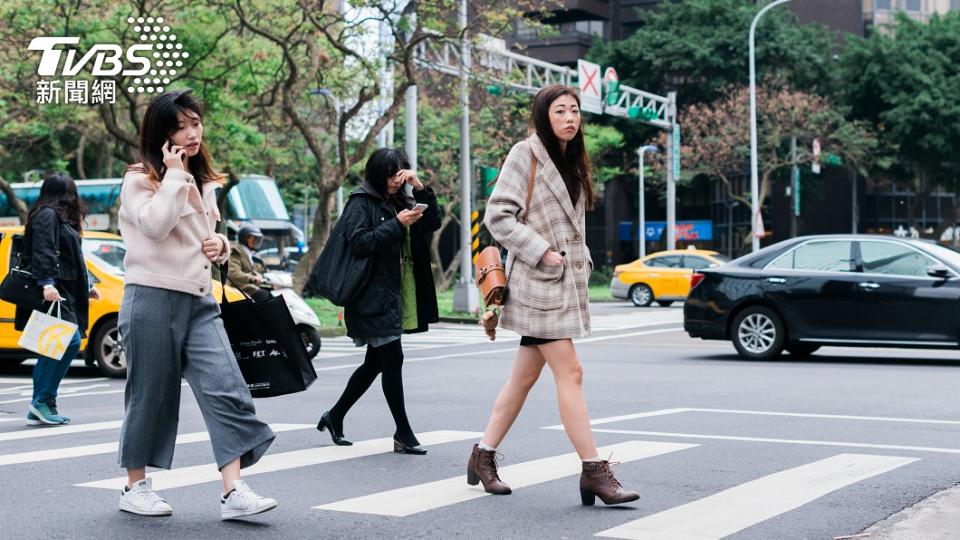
[246,267]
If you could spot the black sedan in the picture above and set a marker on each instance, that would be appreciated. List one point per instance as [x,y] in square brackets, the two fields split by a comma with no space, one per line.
[846,290]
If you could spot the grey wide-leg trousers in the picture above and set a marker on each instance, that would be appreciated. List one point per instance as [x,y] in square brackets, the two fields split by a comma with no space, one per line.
[168,335]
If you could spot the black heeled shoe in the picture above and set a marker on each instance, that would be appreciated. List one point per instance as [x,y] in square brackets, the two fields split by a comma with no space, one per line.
[327,424]
[402,448]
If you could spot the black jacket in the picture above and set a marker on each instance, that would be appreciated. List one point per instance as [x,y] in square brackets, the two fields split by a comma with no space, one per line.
[375,231]
[64,263]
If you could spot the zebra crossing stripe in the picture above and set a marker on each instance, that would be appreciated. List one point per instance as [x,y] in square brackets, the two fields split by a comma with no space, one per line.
[201,474]
[111,447]
[420,498]
[58,430]
[745,505]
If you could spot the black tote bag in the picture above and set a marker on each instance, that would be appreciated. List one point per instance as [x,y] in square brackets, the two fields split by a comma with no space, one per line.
[338,274]
[269,351]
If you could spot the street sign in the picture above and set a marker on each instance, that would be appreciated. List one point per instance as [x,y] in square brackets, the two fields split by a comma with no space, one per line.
[611,81]
[685,230]
[796,191]
[588,80]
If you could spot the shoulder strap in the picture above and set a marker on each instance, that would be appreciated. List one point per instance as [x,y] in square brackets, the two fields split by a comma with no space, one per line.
[533,177]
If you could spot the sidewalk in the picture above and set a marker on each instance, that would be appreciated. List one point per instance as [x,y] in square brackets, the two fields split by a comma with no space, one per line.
[935,518]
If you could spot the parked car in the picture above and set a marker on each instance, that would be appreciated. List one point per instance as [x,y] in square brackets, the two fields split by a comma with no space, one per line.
[662,277]
[848,290]
[104,254]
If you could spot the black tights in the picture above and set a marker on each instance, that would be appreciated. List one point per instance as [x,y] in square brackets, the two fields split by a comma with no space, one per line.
[387,360]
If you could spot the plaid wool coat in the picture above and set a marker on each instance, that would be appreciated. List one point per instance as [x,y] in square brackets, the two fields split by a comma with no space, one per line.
[545,301]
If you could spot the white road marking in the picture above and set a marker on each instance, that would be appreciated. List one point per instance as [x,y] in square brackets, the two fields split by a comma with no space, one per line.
[737,508]
[49,431]
[78,394]
[429,496]
[200,474]
[623,417]
[498,351]
[832,416]
[10,419]
[29,382]
[111,447]
[776,441]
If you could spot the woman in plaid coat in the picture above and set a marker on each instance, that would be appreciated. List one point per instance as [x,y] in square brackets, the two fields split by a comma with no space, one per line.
[549,266]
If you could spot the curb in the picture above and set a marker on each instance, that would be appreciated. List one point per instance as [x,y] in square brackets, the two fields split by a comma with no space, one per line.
[332,331]
[460,320]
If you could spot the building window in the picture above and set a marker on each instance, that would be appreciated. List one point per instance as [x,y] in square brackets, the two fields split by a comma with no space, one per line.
[913,5]
[955,5]
[883,5]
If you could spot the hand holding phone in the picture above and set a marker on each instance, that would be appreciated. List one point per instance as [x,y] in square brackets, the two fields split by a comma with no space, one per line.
[419,207]
[173,156]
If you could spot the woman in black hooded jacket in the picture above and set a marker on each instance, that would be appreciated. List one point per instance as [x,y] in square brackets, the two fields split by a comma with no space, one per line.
[52,253]
[399,296]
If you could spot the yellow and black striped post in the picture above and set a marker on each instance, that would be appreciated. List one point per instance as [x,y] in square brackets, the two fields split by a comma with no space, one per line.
[475,234]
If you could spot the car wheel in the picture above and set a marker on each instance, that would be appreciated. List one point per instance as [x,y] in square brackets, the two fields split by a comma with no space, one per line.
[641,295]
[758,333]
[664,303]
[108,351]
[311,339]
[801,349]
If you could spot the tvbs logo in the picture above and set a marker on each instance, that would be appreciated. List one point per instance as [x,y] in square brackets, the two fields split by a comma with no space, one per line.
[107,58]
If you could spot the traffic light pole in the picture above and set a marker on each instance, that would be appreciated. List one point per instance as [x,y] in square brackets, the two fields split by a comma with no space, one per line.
[465,295]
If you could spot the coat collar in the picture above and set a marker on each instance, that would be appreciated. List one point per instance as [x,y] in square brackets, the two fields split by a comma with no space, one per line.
[553,179]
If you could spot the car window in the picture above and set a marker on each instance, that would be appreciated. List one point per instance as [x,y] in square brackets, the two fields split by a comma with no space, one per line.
[893,259]
[696,263]
[107,253]
[827,256]
[664,261]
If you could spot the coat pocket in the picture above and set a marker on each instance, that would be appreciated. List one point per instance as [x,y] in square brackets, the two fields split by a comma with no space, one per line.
[542,288]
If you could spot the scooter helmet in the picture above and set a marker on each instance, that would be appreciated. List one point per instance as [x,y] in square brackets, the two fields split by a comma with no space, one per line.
[250,231]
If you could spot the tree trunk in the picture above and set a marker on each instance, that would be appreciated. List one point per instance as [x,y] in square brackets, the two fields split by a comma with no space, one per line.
[441,275]
[16,203]
[321,224]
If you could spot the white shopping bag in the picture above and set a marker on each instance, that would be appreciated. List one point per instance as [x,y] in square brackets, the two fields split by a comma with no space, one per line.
[47,335]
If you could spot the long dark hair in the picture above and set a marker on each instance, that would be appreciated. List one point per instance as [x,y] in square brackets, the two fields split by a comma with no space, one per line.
[384,163]
[573,164]
[159,123]
[59,192]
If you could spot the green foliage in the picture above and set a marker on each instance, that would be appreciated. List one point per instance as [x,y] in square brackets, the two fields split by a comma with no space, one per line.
[906,82]
[604,146]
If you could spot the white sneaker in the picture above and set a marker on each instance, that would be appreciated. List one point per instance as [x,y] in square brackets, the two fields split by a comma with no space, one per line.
[242,502]
[143,500]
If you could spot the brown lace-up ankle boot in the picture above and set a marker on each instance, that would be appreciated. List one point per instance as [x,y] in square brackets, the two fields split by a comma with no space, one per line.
[482,467]
[597,480]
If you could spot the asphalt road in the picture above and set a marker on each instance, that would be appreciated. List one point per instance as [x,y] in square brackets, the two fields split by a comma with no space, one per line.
[717,446]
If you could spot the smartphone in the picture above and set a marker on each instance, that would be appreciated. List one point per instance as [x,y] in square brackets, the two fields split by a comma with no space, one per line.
[419,207]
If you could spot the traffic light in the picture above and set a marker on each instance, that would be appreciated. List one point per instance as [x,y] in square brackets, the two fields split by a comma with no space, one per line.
[833,159]
[613,92]
[495,90]
[645,113]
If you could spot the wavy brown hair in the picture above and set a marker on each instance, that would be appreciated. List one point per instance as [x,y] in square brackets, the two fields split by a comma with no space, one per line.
[159,123]
[573,163]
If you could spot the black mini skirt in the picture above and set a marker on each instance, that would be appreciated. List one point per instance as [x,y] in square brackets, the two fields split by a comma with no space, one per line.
[527,341]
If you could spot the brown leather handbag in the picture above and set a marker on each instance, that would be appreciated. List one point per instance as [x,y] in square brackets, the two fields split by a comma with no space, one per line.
[490,274]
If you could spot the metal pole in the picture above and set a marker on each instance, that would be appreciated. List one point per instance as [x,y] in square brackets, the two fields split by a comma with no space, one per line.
[466,297]
[794,173]
[641,208]
[853,202]
[411,125]
[642,231]
[671,176]
[754,175]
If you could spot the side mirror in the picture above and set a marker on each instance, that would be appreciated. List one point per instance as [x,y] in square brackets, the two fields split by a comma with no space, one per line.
[938,271]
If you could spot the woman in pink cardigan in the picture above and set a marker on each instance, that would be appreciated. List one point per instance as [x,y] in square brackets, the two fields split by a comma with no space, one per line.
[169,322]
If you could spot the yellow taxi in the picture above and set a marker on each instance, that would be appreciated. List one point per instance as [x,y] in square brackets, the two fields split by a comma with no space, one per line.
[104,254]
[662,277]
